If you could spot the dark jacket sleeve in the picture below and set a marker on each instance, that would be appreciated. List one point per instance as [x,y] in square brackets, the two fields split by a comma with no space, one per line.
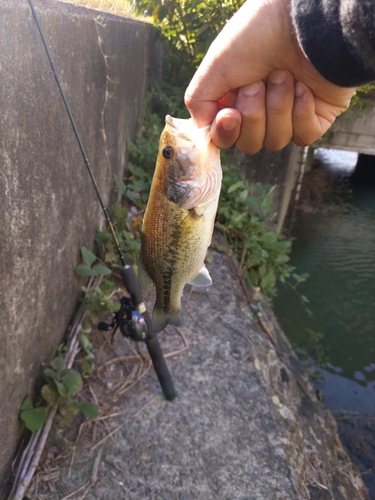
[338,36]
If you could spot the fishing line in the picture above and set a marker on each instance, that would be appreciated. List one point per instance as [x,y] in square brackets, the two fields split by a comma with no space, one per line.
[78,137]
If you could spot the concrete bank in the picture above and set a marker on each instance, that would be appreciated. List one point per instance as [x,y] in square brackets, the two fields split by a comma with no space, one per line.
[246,423]
[49,208]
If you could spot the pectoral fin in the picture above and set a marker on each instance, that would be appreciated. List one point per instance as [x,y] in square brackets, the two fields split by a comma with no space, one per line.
[203,278]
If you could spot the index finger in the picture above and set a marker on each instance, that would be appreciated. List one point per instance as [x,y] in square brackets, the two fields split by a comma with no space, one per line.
[202,111]
[207,87]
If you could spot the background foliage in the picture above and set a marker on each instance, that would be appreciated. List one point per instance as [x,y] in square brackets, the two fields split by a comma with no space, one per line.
[189,25]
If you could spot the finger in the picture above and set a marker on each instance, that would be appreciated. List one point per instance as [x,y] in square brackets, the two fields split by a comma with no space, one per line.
[252,106]
[307,127]
[202,100]
[226,128]
[312,117]
[279,109]
[202,113]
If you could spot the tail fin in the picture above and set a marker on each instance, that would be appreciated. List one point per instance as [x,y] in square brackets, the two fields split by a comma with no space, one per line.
[160,319]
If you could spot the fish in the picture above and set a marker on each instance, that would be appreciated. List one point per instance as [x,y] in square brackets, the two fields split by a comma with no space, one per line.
[179,218]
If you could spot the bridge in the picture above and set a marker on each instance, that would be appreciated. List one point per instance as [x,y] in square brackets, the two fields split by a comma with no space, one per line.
[353,131]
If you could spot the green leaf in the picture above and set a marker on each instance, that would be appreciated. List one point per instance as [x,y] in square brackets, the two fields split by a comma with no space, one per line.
[235,186]
[262,271]
[253,201]
[268,281]
[87,366]
[243,195]
[72,382]
[269,238]
[27,404]
[87,408]
[238,216]
[282,258]
[58,364]
[50,394]
[101,270]
[83,270]
[50,374]
[84,342]
[63,391]
[34,419]
[162,12]
[87,256]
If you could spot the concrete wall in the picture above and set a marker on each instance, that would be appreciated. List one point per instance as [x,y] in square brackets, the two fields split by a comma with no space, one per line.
[353,131]
[49,208]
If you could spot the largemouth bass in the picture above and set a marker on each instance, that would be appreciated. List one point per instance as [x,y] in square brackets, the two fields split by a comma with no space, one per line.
[179,218]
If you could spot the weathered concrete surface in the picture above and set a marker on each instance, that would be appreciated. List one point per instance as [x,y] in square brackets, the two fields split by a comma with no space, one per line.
[277,168]
[353,131]
[245,424]
[49,208]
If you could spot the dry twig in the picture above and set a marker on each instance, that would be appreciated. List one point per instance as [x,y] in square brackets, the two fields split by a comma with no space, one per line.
[126,422]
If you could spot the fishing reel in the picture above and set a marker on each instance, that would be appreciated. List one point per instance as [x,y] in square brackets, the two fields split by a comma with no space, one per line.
[131,318]
[134,322]
[130,322]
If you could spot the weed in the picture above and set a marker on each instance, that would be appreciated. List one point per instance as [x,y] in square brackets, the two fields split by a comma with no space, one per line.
[90,266]
[363,97]
[243,215]
[127,222]
[61,385]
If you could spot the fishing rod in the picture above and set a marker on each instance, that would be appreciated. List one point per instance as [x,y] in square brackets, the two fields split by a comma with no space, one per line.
[132,318]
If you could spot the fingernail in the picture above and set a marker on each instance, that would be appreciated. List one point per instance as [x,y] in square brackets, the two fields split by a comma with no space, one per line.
[229,122]
[299,89]
[279,76]
[251,89]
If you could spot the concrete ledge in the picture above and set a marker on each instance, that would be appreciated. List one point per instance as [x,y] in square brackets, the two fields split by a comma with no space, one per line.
[49,208]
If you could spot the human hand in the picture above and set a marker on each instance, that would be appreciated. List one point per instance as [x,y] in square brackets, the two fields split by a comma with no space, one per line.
[258,88]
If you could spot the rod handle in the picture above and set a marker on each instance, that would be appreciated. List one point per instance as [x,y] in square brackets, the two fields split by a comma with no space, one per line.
[161,369]
[131,283]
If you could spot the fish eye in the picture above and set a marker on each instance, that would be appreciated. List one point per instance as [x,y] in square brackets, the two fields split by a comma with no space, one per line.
[168,152]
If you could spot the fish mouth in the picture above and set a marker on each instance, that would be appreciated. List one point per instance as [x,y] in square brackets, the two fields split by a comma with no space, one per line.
[185,128]
[181,127]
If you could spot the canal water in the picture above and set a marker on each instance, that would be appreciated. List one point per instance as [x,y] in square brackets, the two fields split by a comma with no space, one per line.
[334,332]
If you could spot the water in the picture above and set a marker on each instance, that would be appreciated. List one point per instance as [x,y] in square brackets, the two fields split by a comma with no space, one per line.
[336,246]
